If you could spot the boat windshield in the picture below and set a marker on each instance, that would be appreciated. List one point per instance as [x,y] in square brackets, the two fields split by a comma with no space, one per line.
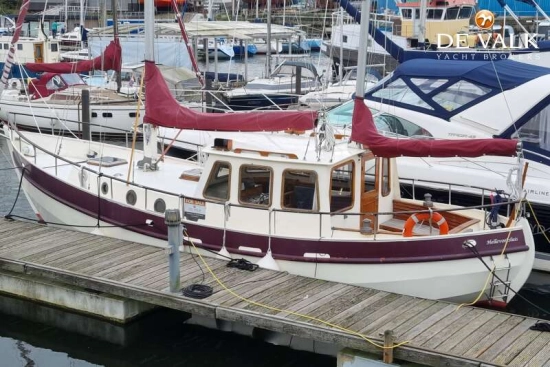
[289,70]
[535,133]
[341,117]
[431,93]
[72,79]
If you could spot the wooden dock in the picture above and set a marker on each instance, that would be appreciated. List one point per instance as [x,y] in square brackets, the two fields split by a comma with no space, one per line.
[437,333]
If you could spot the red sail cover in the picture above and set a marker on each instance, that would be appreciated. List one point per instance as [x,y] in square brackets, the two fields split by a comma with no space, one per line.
[110,60]
[162,109]
[364,131]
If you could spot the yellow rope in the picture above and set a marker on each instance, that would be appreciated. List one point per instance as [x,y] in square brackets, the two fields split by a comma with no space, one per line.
[493,268]
[134,137]
[288,311]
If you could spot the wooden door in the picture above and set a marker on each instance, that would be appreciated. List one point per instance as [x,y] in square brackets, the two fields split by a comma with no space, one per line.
[369,188]
[38,53]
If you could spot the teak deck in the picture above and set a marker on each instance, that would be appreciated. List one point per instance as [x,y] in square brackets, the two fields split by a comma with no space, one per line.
[439,334]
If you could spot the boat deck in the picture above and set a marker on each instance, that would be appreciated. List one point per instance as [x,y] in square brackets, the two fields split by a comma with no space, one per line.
[436,333]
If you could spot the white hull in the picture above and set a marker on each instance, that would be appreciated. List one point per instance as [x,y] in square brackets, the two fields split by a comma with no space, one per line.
[457,281]
[109,118]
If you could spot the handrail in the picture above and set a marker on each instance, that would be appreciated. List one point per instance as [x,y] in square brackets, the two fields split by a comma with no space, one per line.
[180,198]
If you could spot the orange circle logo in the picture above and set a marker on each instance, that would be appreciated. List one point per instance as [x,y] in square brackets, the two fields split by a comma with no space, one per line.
[484,19]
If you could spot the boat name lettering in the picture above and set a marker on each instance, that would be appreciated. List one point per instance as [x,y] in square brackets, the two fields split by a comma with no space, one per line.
[496,241]
[194,209]
[538,192]
[457,135]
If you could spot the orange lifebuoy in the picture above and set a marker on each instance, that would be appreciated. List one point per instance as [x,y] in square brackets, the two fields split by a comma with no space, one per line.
[416,218]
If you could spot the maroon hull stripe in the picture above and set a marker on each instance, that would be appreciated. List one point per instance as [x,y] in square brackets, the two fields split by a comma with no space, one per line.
[293,249]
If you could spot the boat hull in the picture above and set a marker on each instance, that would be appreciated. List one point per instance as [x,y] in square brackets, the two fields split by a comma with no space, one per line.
[108,119]
[454,280]
[435,268]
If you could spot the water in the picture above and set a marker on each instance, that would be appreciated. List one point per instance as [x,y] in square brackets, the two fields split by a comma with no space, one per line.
[39,336]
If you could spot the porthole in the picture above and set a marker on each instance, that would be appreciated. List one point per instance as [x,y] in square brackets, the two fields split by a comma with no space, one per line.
[94,114]
[131,197]
[159,206]
[105,188]
[107,114]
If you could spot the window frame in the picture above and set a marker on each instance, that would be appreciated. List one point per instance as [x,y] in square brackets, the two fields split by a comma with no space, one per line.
[352,188]
[211,177]
[316,191]
[270,193]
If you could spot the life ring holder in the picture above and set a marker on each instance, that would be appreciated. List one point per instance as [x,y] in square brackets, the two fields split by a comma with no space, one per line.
[416,218]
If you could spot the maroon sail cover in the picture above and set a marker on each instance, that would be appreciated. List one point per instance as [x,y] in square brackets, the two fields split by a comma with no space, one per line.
[110,60]
[364,131]
[162,109]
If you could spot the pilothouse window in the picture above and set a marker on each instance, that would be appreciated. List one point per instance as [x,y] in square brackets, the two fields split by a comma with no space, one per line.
[255,185]
[217,186]
[341,191]
[300,190]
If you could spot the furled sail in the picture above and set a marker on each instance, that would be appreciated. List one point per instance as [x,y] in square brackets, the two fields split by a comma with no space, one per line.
[364,131]
[162,109]
[111,59]
[11,53]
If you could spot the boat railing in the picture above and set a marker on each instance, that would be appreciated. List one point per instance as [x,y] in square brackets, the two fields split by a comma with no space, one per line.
[342,18]
[229,213]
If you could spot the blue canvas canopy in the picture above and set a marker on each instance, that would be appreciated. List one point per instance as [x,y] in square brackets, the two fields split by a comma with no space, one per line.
[436,87]
[502,74]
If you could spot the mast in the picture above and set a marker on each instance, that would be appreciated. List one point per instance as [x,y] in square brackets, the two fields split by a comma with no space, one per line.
[421,29]
[268,40]
[115,34]
[186,40]
[81,23]
[11,54]
[150,131]
[362,53]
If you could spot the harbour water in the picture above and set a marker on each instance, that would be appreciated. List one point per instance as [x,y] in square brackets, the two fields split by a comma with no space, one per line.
[36,335]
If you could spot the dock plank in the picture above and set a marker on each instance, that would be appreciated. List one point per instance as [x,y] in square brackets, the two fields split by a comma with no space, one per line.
[440,327]
[287,295]
[490,338]
[437,333]
[396,316]
[245,291]
[310,308]
[476,336]
[531,350]
[506,342]
[382,307]
[54,253]
[420,316]
[112,258]
[35,252]
[542,358]
[139,262]
[14,226]
[429,322]
[465,330]
[338,305]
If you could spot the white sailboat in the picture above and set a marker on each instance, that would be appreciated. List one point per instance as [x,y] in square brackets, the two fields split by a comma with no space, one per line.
[310,208]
